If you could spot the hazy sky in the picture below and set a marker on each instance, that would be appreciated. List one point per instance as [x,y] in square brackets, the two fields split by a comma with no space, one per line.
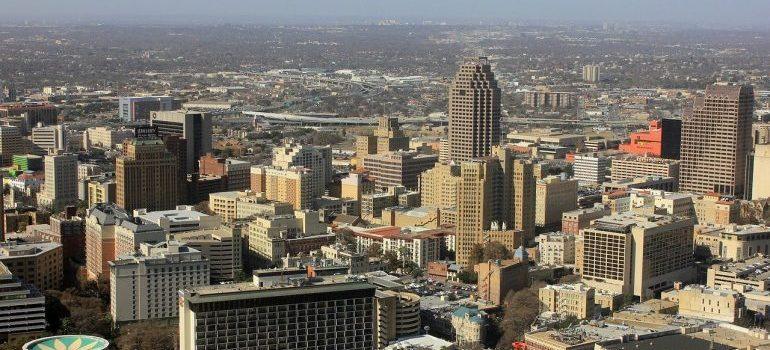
[704,12]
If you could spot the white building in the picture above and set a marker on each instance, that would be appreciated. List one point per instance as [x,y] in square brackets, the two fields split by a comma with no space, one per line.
[556,248]
[183,218]
[591,168]
[49,139]
[147,286]
[61,181]
[221,247]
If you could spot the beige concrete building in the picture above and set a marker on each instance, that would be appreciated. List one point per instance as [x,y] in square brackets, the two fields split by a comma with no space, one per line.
[735,242]
[38,263]
[554,196]
[636,254]
[221,247]
[273,237]
[555,340]
[713,209]
[741,276]
[105,137]
[427,217]
[556,248]
[722,305]
[294,185]
[147,176]
[390,137]
[438,186]
[146,286]
[495,190]
[574,221]
[714,154]
[420,247]
[101,191]
[473,111]
[398,316]
[591,73]
[130,233]
[318,160]
[761,177]
[61,176]
[568,300]
[399,168]
[633,166]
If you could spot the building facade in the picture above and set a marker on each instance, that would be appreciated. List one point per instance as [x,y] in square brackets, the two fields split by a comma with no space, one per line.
[473,111]
[716,141]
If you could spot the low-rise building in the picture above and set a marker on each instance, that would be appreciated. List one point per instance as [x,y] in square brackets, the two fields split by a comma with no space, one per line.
[574,221]
[183,218]
[751,274]
[723,305]
[271,237]
[470,326]
[568,299]
[556,248]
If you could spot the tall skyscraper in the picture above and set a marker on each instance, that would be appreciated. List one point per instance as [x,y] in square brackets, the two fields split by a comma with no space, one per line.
[474,111]
[494,192]
[591,73]
[194,127]
[146,176]
[61,181]
[10,143]
[716,141]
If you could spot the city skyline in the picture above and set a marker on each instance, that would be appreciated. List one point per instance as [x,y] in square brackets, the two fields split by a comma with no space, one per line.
[687,12]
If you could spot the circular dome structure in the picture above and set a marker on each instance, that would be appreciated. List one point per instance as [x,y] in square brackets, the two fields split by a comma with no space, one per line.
[67,342]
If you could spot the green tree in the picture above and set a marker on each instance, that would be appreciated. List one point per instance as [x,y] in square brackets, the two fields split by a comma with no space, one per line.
[467,276]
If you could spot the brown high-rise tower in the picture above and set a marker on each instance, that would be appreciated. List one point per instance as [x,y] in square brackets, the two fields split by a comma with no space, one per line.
[716,139]
[474,111]
[146,176]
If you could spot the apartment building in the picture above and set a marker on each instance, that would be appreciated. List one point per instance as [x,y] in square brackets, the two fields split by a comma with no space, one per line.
[556,248]
[636,254]
[568,300]
[222,247]
[554,196]
[146,286]
[38,263]
[295,185]
[400,168]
